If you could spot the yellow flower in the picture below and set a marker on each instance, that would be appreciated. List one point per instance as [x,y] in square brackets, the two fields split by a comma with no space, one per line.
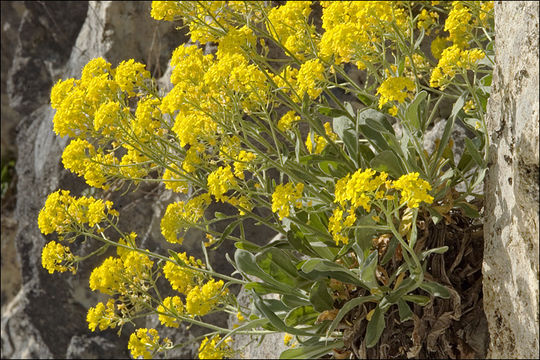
[181,278]
[395,89]
[209,350]
[458,24]
[147,117]
[310,78]
[413,190]
[284,197]
[202,299]
[102,315]
[287,120]
[171,305]
[107,117]
[107,277]
[61,211]
[220,181]
[60,91]
[243,162]
[140,343]
[56,257]
[320,143]
[129,75]
[437,46]
[240,317]
[95,68]
[454,60]
[164,10]
[287,339]
[76,156]
[134,165]
[288,25]
[427,20]
[181,215]
[175,182]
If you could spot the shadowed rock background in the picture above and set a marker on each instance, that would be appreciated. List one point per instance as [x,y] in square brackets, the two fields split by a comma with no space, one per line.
[43,316]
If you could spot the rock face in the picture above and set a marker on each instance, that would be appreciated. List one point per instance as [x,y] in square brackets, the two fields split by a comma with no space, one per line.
[511,227]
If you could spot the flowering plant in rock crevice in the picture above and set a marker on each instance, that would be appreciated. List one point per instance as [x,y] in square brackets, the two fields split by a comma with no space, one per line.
[259,125]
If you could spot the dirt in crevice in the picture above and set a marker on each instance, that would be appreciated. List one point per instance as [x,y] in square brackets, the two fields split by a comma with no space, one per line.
[454,328]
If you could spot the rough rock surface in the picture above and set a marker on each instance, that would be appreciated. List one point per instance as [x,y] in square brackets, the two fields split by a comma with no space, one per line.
[511,227]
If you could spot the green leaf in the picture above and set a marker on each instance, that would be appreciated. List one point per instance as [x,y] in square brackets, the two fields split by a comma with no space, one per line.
[387,161]
[444,139]
[341,125]
[298,241]
[375,328]
[439,250]
[468,209]
[412,114]
[405,287]
[302,315]
[312,351]
[328,111]
[276,320]
[473,150]
[458,105]
[293,301]
[263,289]
[435,289]
[246,262]
[405,312]
[368,270]
[246,245]
[320,297]
[381,125]
[349,305]
[277,264]
[417,299]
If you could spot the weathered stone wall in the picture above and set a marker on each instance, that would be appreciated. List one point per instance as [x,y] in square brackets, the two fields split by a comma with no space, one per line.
[510,267]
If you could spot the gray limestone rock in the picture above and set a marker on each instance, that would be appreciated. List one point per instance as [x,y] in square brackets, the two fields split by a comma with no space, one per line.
[511,229]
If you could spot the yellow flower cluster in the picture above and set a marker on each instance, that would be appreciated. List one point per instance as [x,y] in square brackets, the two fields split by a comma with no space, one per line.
[362,188]
[243,162]
[103,316]
[63,213]
[181,215]
[285,196]
[395,89]
[94,107]
[115,275]
[458,24]
[56,257]
[220,181]
[130,75]
[286,121]
[143,340]
[173,181]
[171,305]
[183,279]
[320,143]
[288,24]
[427,20]
[200,300]
[164,10]
[453,61]
[352,28]
[310,79]
[352,192]
[413,190]
[209,350]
